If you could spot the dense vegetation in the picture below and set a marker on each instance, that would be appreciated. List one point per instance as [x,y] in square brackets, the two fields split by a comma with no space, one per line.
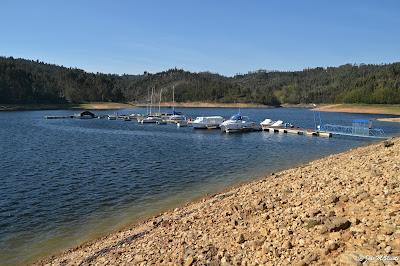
[25,81]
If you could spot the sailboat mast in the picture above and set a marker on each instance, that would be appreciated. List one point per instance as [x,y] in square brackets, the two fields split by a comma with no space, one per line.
[159,103]
[151,99]
[173,98]
[147,101]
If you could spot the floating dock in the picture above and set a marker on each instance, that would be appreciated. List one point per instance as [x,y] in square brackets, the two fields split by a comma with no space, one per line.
[295,131]
[58,117]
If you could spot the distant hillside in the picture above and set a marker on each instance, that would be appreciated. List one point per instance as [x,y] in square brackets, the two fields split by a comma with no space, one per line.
[26,81]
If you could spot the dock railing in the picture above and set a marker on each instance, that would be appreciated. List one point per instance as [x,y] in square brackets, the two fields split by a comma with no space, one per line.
[354,131]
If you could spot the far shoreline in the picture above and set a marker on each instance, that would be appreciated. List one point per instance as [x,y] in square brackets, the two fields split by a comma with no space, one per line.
[382,109]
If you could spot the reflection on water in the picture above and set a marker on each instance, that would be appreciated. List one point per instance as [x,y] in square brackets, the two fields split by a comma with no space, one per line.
[67,181]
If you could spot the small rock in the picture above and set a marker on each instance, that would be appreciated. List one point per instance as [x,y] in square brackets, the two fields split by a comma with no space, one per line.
[332,199]
[388,249]
[388,230]
[139,258]
[332,246]
[388,143]
[312,222]
[310,258]
[315,212]
[188,261]
[349,259]
[256,202]
[344,198]
[264,232]
[240,239]
[395,244]
[336,224]
[287,245]
[355,221]
[225,261]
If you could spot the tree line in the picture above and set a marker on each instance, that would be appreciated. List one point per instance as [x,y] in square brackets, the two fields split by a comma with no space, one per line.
[27,81]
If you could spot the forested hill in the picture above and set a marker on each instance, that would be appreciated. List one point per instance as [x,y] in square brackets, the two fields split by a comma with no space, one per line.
[26,81]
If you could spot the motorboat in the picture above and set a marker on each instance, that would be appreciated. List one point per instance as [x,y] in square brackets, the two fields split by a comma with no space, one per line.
[182,123]
[278,123]
[166,116]
[135,116]
[266,122]
[112,117]
[239,123]
[207,122]
[150,119]
[161,122]
[176,118]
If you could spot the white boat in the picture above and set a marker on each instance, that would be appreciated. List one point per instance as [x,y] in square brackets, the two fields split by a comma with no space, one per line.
[278,123]
[176,118]
[207,122]
[112,117]
[150,119]
[182,123]
[267,122]
[135,116]
[162,122]
[239,123]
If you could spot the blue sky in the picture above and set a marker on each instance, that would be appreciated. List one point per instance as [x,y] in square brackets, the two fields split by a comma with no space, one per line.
[227,37]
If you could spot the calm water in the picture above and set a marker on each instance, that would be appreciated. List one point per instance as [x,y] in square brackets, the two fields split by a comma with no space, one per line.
[67,181]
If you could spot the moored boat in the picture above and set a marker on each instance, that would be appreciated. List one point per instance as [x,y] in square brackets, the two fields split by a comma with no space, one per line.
[112,117]
[150,119]
[207,122]
[177,118]
[182,123]
[239,123]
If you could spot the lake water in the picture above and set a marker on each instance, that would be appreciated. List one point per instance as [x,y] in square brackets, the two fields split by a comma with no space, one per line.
[67,181]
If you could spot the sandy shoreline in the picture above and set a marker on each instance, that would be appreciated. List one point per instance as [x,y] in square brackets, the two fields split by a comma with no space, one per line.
[389,119]
[360,108]
[327,211]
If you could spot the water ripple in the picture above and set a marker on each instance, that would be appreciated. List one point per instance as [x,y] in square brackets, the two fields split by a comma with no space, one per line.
[64,180]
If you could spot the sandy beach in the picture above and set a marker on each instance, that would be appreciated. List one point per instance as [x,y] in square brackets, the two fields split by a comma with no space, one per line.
[390,119]
[389,109]
[340,210]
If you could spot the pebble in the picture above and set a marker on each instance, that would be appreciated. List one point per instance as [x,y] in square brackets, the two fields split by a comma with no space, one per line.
[188,261]
[241,239]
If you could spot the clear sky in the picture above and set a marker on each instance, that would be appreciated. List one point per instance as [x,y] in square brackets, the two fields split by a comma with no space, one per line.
[227,37]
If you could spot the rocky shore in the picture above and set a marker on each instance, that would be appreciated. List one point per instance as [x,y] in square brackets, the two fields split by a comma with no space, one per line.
[340,210]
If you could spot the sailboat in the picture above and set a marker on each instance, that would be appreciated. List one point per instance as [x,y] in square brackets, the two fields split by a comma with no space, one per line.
[151,119]
[176,117]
